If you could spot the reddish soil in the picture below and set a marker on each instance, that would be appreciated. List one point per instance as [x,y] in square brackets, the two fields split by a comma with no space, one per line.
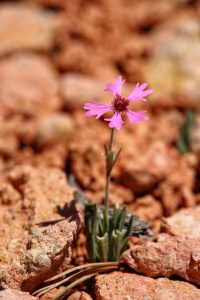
[58,55]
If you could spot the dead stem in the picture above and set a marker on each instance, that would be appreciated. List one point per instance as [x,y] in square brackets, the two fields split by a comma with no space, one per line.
[73,269]
[95,268]
[80,280]
[67,289]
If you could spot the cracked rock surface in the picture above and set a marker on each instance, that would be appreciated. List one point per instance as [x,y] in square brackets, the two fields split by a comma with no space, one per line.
[46,220]
[126,286]
[169,256]
[11,294]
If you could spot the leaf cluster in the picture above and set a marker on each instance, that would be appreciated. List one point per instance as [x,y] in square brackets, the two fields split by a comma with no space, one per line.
[107,244]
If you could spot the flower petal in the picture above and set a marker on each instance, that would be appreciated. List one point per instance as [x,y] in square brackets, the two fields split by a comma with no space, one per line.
[139,92]
[136,117]
[116,121]
[115,87]
[97,108]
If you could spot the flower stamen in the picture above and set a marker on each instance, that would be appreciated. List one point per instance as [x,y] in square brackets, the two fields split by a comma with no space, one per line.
[120,104]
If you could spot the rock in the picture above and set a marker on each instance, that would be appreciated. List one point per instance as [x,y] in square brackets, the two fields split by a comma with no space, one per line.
[34,28]
[153,166]
[39,205]
[53,129]
[48,250]
[11,294]
[100,22]
[26,78]
[53,3]
[126,286]
[158,169]
[169,256]
[55,156]
[79,296]
[52,294]
[74,296]
[80,64]
[84,147]
[85,296]
[177,189]
[176,56]
[9,140]
[78,89]
[147,208]
[87,161]
[45,144]
[118,194]
[185,223]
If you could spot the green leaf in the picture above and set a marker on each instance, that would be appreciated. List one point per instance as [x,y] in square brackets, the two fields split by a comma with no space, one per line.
[121,219]
[130,227]
[116,245]
[116,214]
[95,220]
[184,141]
[88,217]
[110,161]
[103,246]
[101,229]
[117,155]
[127,235]
[91,224]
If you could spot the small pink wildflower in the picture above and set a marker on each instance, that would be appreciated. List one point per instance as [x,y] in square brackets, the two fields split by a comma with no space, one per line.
[119,104]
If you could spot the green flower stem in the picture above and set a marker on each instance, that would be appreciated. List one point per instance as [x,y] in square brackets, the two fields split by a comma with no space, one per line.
[108,177]
[111,139]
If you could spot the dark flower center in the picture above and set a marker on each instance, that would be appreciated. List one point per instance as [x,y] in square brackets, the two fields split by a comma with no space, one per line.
[120,104]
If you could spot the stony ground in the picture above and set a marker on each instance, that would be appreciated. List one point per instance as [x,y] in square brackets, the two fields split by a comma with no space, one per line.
[54,56]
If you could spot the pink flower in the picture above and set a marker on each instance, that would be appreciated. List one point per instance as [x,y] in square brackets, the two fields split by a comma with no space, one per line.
[119,104]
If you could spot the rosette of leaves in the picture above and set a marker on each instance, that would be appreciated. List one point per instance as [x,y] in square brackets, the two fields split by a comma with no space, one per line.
[108,245]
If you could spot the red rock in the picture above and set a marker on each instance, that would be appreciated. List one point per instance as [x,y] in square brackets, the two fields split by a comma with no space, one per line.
[27,78]
[53,3]
[11,294]
[178,87]
[126,286]
[50,295]
[9,140]
[87,161]
[80,64]
[142,168]
[54,156]
[85,296]
[78,89]
[158,169]
[169,256]
[79,296]
[34,28]
[147,208]
[186,223]
[142,173]
[100,22]
[53,129]
[177,189]
[38,203]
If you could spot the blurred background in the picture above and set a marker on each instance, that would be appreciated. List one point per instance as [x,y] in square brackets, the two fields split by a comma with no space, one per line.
[57,54]
[155,41]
